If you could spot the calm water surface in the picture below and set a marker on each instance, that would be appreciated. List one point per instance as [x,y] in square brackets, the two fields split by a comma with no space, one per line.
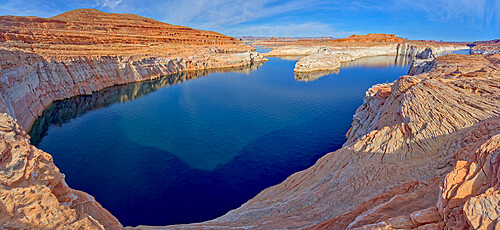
[187,148]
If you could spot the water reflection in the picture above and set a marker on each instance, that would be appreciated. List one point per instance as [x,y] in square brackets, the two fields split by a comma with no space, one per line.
[379,61]
[191,152]
[463,51]
[262,49]
[372,62]
[312,76]
[62,111]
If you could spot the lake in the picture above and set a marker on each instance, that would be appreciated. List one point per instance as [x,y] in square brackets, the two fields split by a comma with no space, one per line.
[189,147]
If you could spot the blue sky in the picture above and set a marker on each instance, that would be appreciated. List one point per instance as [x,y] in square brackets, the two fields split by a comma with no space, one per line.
[451,20]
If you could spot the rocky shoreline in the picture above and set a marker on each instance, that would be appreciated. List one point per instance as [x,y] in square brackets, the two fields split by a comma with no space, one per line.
[320,58]
[86,50]
[422,152]
[399,168]
[32,83]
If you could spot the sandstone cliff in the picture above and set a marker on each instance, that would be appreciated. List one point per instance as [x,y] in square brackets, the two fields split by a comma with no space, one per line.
[82,51]
[319,55]
[372,38]
[486,47]
[33,192]
[422,152]
[331,57]
[79,52]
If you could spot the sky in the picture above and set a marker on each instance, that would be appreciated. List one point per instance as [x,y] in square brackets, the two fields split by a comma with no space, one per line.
[449,20]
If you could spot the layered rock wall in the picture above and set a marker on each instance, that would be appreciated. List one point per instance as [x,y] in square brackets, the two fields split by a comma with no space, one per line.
[331,57]
[79,52]
[30,82]
[422,152]
[82,51]
[33,193]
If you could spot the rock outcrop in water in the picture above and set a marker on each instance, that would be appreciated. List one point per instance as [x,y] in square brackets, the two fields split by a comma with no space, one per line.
[330,57]
[422,152]
[82,51]
[33,193]
[320,55]
[486,47]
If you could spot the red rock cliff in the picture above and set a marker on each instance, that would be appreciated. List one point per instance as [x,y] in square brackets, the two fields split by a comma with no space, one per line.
[81,51]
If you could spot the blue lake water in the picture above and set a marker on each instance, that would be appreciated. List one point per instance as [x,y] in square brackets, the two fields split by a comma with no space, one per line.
[191,146]
[463,51]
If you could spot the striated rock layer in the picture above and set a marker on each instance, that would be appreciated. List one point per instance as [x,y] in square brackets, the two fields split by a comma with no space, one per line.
[75,53]
[82,51]
[422,152]
[331,57]
[330,54]
[33,193]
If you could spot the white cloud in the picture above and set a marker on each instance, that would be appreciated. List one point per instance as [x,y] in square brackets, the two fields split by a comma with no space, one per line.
[260,17]
[218,13]
[111,4]
[479,13]
[310,29]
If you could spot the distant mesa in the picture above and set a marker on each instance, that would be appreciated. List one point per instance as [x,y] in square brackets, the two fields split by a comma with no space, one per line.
[93,32]
[372,38]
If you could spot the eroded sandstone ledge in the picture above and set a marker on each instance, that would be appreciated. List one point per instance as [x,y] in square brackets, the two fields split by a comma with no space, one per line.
[82,51]
[422,152]
[330,57]
[329,54]
[33,193]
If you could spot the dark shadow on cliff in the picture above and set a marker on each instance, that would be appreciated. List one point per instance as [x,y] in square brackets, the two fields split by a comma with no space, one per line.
[62,111]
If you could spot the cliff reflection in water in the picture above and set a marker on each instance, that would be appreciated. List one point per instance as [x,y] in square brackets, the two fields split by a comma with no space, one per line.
[370,62]
[62,111]
[379,61]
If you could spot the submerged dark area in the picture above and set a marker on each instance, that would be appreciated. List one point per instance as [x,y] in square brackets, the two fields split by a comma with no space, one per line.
[183,149]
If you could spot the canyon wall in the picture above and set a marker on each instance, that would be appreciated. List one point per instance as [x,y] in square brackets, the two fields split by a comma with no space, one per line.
[30,82]
[485,49]
[330,57]
[33,192]
[422,152]
[79,52]
[83,51]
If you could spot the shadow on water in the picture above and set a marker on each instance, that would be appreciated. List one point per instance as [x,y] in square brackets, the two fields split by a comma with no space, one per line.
[60,112]
[144,160]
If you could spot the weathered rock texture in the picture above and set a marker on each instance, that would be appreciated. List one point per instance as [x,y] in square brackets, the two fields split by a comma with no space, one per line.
[81,51]
[33,193]
[372,38]
[486,47]
[331,57]
[422,152]
[318,55]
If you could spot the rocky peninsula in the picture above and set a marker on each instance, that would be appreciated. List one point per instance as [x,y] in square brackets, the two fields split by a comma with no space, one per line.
[422,152]
[83,51]
[318,55]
